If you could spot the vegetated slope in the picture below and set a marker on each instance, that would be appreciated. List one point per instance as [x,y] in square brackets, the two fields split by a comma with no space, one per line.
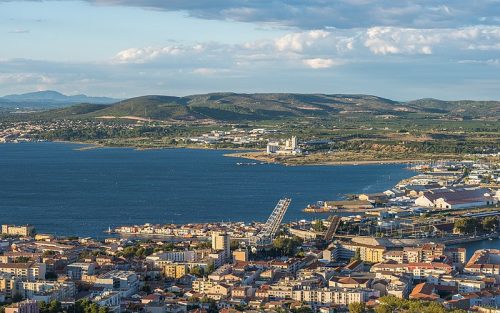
[238,107]
[74,111]
[275,105]
[153,107]
[461,108]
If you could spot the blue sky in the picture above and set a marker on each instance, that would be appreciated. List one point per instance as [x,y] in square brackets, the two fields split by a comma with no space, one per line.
[122,48]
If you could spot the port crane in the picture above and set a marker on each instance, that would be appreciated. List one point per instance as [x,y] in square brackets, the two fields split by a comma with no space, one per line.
[266,235]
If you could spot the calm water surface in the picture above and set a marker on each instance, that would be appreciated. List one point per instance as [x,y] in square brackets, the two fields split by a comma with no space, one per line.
[65,191]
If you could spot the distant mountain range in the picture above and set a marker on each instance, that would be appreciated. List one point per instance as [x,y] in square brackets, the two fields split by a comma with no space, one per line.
[261,106]
[49,99]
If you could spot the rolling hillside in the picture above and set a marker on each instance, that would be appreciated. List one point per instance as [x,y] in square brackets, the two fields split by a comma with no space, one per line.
[238,107]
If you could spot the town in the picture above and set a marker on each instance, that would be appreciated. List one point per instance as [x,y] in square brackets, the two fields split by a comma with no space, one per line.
[404,247]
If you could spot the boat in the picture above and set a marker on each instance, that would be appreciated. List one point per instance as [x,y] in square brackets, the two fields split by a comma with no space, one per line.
[246,163]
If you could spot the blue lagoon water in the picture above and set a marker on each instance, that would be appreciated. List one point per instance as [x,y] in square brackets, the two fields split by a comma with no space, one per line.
[67,191]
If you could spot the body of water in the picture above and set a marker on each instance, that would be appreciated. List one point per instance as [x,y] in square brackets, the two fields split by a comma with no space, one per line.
[67,191]
[477,245]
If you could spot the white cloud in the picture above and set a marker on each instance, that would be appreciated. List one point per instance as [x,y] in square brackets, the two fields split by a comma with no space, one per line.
[316,49]
[298,41]
[207,71]
[19,31]
[23,78]
[390,40]
[319,63]
[143,55]
[495,62]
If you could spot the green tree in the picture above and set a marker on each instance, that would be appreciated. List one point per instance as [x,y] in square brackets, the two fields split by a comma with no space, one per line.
[22,259]
[357,255]
[357,307]
[318,225]
[54,307]
[467,225]
[490,223]
[286,246]
[196,271]
[194,299]
[302,309]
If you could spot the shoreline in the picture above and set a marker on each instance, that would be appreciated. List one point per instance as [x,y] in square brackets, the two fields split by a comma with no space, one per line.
[249,154]
[261,158]
[94,145]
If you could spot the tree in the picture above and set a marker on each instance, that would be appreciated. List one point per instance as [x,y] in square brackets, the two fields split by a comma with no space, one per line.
[204,245]
[383,309]
[467,225]
[210,268]
[393,304]
[17,297]
[194,299]
[22,259]
[318,225]
[302,309]
[196,271]
[357,307]
[357,255]
[54,306]
[286,246]
[490,223]
[235,244]
[103,309]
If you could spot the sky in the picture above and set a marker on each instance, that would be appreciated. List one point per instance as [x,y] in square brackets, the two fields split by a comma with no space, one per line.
[398,49]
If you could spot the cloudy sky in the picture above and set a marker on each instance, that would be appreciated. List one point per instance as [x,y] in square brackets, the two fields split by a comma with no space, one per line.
[399,49]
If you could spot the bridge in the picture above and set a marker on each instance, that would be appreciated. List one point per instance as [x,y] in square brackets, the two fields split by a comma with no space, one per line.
[266,235]
[332,229]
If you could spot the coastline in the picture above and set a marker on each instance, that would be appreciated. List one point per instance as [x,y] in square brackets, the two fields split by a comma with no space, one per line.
[340,159]
[95,145]
[261,157]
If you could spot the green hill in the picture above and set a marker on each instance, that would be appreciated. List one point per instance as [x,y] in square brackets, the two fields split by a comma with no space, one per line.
[267,106]
[75,111]
[153,107]
[461,108]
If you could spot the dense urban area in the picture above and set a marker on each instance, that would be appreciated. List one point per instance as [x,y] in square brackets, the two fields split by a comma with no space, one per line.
[400,250]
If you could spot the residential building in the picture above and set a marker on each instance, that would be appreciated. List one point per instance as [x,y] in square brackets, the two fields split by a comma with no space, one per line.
[76,270]
[126,282]
[27,306]
[221,242]
[30,271]
[175,270]
[24,230]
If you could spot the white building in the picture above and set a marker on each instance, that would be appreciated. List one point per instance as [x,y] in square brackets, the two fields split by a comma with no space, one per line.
[26,271]
[329,296]
[109,299]
[455,198]
[46,290]
[76,270]
[290,147]
[126,282]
